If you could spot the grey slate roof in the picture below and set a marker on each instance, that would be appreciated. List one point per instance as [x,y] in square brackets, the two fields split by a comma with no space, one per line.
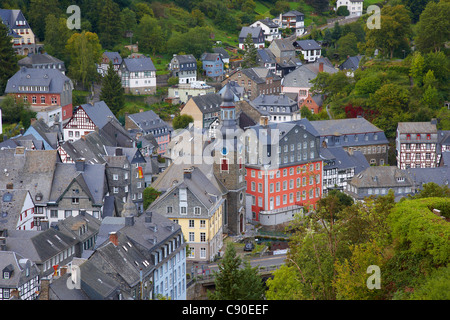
[98,113]
[16,263]
[10,210]
[352,63]
[416,127]
[439,175]
[9,18]
[148,121]
[40,60]
[266,56]
[259,74]
[113,57]
[52,79]
[307,45]
[382,176]
[293,13]
[269,22]
[208,103]
[254,31]
[223,53]
[344,126]
[344,160]
[138,64]
[207,56]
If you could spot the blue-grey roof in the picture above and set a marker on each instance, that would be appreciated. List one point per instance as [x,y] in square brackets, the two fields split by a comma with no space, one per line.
[222,52]
[52,79]
[266,56]
[114,57]
[342,159]
[138,64]
[149,121]
[439,175]
[254,31]
[98,113]
[352,63]
[39,60]
[293,13]
[307,45]
[9,18]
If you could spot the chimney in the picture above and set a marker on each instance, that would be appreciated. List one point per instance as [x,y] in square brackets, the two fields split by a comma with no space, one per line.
[15,294]
[148,217]
[45,288]
[320,66]
[20,150]
[187,174]
[32,120]
[44,225]
[129,221]
[113,237]
[141,110]
[264,120]
[119,152]
[80,164]
[63,270]
[3,243]
[9,186]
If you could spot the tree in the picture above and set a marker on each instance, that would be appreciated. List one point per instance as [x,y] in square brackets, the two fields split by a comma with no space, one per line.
[394,29]
[16,111]
[235,283]
[8,58]
[435,287]
[150,35]
[342,11]
[38,12]
[251,54]
[56,36]
[417,68]
[112,91]
[182,121]
[285,284]
[109,24]
[433,28]
[195,41]
[347,45]
[149,195]
[432,189]
[85,51]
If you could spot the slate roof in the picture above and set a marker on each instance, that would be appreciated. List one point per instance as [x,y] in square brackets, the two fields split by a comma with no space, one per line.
[149,120]
[52,79]
[352,63]
[16,263]
[382,176]
[344,160]
[207,56]
[302,76]
[208,103]
[98,113]
[39,246]
[266,56]
[113,56]
[223,53]
[10,210]
[416,127]
[32,171]
[284,44]
[259,74]
[307,45]
[293,13]
[269,22]
[138,64]
[40,60]
[9,18]
[254,31]
[70,226]
[92,180]
[344,126]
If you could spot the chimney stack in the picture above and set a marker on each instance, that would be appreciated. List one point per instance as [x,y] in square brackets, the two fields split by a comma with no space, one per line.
[320,66]
[114,238]
[119,152]
[187,173]
[80,164]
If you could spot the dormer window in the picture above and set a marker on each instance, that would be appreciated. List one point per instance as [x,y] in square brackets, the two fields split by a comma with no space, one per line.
[418,136]
[428,136]
[408,137]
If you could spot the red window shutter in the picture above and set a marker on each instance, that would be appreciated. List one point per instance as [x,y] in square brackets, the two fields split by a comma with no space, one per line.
[224,164]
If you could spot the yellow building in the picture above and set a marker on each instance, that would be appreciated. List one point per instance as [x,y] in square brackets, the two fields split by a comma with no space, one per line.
[204,109]
[196,204]
[23,39]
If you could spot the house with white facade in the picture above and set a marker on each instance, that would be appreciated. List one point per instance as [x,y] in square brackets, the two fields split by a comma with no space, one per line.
[184,67]
[270,29]
[257,34]
[310,49]
[292,19]
[17,210]
[355,7]
[138,75]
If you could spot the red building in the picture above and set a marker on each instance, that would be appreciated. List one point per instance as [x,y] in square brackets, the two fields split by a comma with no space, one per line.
[48,91]
[294,185]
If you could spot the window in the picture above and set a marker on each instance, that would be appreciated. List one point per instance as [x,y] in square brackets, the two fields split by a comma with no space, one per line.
[224,164]
[183,210]
[191,237]
[75,200]
[115,177]
[202,237]
[67,213]
[202,224]
[197,210]
[191,223]
[53,213]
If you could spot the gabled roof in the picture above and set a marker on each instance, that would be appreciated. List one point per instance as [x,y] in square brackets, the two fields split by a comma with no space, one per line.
[254,31]
[224,54]
[259,74]
[114,57]
[207,56]
[148,120]
[266,56]
[269,22]
[138,64]
[11,209]
[208,103]
[416,127]
[382,177]
[293,13]
[283,44]
[344,126]
[33,60]
[99,113]
[352,63]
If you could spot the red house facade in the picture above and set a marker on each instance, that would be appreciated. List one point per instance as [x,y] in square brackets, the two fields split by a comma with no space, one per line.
[295,184]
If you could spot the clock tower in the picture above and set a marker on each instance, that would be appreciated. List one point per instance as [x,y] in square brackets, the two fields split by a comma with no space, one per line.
[229,164]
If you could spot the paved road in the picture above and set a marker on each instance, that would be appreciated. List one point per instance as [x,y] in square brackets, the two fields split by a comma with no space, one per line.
[265,261]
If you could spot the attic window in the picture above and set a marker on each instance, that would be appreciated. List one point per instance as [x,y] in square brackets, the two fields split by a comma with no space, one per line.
[7,197]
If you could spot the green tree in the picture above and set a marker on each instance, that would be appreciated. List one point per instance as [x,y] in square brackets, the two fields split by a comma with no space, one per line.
[347,46]
[182,121]
[285,284]
[195,41]
[433,28]
[395,28]
[342,11]
[149,195]
[235,283]
[112,91]
[16,111]
[8,58]
[38,12]
[435,287]
[417,68]
[150,35]
[109,24]
[251,54]
[56,36]
[432,189]
[85,51]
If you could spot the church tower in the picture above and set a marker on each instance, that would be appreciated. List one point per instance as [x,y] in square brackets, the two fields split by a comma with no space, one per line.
[229,164]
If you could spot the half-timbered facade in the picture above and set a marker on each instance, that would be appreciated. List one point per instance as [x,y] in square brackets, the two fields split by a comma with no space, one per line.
[86,119]
[417,145]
